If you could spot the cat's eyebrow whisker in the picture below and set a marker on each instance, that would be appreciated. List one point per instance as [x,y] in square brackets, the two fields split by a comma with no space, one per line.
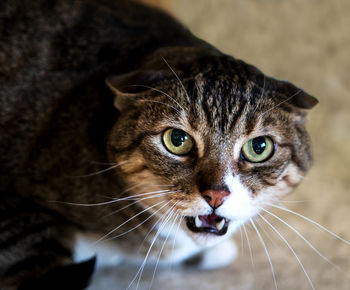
[159,102]
[311,221]
[286,100]
[291,249]
[161,249]
[140,224]
[128,220]
[259,100]
[177,77]
[139,272]
[100,171]
[266,252]
[162,92]
[301,236]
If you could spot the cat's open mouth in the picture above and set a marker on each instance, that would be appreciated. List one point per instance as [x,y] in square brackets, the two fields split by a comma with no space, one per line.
[211,223]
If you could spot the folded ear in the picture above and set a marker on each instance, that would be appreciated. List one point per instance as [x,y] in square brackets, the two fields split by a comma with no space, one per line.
[296,96]
[292,94]
[128,86]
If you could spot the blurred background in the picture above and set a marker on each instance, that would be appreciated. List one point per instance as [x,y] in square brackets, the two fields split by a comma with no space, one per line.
[308,43]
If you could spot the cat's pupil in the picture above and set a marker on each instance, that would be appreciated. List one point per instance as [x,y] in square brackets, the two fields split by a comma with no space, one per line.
[259,145]
[178,137]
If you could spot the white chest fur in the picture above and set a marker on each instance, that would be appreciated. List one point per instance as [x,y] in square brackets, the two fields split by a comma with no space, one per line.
[107,253]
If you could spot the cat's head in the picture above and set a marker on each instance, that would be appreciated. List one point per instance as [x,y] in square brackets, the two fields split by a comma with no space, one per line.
[212,138]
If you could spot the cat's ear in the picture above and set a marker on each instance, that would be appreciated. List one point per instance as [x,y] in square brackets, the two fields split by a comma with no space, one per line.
[297,97]
[127,87]
[292,94]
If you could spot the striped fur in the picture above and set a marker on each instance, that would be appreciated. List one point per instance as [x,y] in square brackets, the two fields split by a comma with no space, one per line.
[73,163]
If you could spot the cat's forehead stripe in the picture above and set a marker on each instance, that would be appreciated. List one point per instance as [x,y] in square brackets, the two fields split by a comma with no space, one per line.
[222,105]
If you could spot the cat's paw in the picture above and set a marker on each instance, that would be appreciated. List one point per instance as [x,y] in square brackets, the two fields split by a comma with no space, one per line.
[218,256]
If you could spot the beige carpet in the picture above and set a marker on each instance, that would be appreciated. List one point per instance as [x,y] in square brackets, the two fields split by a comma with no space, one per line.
[307,42]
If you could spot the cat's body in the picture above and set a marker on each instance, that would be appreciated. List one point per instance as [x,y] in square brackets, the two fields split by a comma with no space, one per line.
[59,125]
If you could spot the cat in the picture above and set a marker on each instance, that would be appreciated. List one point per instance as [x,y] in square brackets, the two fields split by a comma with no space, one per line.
[123,133]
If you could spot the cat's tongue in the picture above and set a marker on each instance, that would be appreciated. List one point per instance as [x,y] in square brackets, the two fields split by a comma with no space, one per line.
[211,223]
[209,220]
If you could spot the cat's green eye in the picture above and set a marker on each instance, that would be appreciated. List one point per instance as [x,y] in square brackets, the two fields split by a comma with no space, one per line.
[177,141]
[258,149]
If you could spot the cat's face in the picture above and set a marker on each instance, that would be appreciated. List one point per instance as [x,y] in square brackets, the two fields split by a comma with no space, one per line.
[214,149]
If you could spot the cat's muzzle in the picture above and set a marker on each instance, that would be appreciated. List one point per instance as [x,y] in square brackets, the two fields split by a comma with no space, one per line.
[211,223]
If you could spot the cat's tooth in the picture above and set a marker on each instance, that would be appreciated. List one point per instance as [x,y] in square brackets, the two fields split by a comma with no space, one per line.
[220,225]
[198,222]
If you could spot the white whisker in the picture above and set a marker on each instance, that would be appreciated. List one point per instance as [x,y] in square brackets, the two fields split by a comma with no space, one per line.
[266,233]
[166,220]
[162,248]
[301,236]
[249,246]
[139,185]
[311,221]
[142,194]
[84,204]
[286,100]
[296,201]
[175,236]
[162,92]
[266,252]
[291,249]
[140,224]
[160,221]
[139,272]
[159,102]
[153,195]
[103,163]
[118,227]
[120,209]
[128,190]
[131,197]
[177,77]
[100,171]
[242,241]
[261,97]
[136,201]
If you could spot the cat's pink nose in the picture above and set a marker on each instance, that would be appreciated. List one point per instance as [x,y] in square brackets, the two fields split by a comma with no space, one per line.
[215,198]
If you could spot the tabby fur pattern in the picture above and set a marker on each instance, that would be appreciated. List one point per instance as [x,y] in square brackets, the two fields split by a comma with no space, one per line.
[87,90]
